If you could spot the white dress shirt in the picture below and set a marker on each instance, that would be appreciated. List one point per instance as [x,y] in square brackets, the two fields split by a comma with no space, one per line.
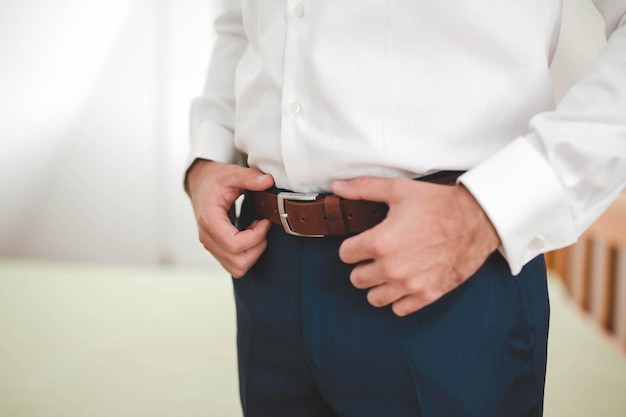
[318,90]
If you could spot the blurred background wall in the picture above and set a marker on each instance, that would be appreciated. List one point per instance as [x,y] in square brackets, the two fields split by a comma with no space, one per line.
[94,101]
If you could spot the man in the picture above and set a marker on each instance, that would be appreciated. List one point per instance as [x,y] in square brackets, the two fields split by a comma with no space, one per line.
[438,306]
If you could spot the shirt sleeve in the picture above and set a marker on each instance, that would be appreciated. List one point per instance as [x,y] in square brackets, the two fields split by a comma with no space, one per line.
[544,189]
[213,113]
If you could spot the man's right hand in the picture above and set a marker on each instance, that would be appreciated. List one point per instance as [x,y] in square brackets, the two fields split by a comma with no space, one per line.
[213,188]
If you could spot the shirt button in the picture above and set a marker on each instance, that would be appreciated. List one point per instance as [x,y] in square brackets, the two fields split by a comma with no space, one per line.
[538,243]
[294,108]
[298,11]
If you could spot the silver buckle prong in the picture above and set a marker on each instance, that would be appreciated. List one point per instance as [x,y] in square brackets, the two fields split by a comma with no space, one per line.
[281,197]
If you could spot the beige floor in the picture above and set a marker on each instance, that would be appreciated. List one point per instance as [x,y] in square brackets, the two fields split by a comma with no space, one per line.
[88,341]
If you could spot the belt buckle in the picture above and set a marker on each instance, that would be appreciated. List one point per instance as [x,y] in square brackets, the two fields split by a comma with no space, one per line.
[281,198]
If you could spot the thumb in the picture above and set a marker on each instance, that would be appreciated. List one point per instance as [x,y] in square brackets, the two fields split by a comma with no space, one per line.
[255,180]
[366,188]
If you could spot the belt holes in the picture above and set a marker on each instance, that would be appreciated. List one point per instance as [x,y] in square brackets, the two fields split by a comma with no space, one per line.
[325,218]
[303,219]
[350,216]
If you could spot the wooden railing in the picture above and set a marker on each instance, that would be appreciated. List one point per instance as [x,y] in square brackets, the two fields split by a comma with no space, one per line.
[594,270]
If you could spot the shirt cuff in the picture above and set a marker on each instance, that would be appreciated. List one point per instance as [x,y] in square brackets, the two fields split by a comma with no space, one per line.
[213,142]
[524,199]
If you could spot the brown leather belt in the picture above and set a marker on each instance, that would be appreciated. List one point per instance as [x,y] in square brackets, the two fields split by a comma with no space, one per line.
[315,215]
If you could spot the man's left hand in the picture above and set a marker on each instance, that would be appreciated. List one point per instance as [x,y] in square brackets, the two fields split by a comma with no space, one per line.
[434,238]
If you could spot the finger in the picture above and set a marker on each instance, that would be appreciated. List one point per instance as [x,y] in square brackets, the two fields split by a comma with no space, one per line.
[362,276]
[217,231]
[380,241]
[259,228]
[386,294]
[357,249]
[368,188]
[426,295]
[234,241]
[239,265]
[214,223]
[410,304]
[398,280]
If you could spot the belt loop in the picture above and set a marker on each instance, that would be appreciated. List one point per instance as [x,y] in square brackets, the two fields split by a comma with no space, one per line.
[334,216]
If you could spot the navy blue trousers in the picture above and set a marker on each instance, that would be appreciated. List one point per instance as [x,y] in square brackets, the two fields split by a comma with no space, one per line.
[309,344]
